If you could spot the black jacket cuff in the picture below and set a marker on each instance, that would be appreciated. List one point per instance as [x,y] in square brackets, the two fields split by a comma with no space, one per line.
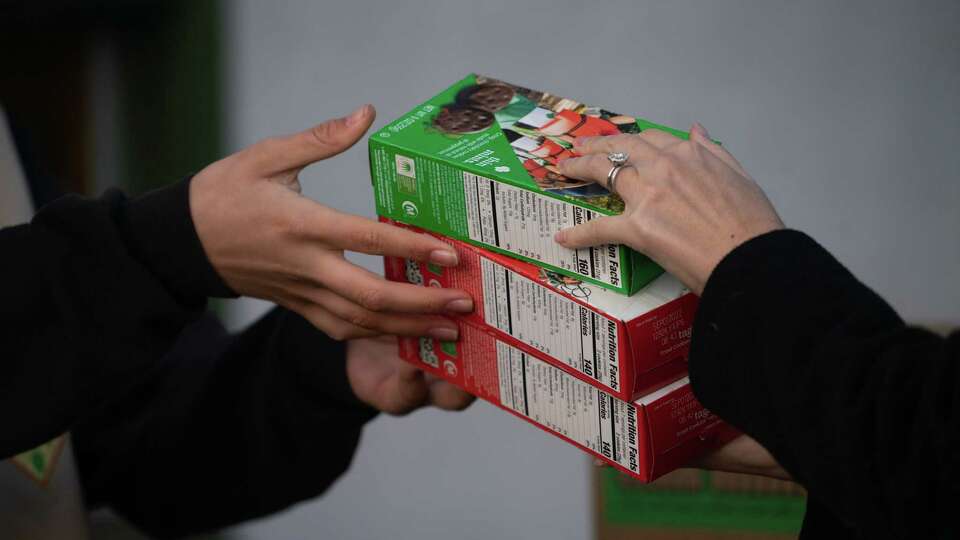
[160,233]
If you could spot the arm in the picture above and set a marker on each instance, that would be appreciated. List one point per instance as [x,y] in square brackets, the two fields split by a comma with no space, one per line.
[787,344]
[226,429]
[861,409]
[93,292]
[233,428]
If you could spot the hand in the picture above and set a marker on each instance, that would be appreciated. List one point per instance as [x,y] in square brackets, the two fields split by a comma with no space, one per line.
[385,382]
[688,203]
[268,241]
[743,455]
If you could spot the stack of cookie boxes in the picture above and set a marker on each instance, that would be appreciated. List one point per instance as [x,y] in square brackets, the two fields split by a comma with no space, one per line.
[588,344]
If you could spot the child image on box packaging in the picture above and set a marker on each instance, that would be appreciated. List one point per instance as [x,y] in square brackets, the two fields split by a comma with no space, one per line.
[541,129]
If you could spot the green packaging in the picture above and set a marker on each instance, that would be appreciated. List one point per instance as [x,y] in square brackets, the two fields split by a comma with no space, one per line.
[478,162]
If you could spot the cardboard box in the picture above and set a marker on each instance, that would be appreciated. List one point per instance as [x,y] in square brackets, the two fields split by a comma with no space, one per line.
[627,346]
[646,438]
[478,162]
[692,504]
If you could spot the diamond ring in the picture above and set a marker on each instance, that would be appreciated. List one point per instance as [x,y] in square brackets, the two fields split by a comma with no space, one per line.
[619,161]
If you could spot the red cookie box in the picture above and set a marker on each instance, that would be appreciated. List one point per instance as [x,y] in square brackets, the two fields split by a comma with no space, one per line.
[627,346]
[646,439]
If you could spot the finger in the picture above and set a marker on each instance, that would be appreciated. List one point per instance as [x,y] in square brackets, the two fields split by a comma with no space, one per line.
[355,233]
[330,324]
[375,293]
[386,323]
[449,397]
[698,134]
[596,167]
[404,392]
[636,148]
[280,154]
[604,230]
[659,139]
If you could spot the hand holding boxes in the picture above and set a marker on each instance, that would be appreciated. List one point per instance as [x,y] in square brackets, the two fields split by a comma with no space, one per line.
[589,344]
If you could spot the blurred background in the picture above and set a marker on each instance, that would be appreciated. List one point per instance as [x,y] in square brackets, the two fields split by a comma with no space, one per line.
[847,113]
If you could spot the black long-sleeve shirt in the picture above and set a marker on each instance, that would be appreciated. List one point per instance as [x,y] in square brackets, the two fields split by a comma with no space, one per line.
[224,429]
[177,425]
[858,407]
[94,293]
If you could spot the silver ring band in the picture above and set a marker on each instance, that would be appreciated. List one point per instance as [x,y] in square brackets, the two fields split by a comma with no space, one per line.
[612,178]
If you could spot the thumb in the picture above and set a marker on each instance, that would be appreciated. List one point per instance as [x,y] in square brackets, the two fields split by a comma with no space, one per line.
[322,141]
[605,230]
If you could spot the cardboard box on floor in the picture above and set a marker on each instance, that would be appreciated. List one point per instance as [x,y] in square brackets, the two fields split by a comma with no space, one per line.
[691,504]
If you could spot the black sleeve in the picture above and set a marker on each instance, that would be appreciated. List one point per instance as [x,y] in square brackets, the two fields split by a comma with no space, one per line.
[861,409]
[92,293]
[227,429]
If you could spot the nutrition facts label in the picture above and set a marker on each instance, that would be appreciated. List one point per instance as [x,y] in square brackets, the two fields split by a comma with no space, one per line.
[524,222]
[540,317]
[568,406]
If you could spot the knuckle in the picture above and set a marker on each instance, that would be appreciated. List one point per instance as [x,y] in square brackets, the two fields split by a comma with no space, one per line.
[325,134]
[368,240]
[620,142]
[651,196]
[372,299]
[292,225]
[690,149]
[361,318]
[664,165]
[338,331]
[436,303]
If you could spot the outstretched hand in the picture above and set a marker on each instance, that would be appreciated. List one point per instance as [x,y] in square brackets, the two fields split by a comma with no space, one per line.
[688,203]
[385,382]
[266,240]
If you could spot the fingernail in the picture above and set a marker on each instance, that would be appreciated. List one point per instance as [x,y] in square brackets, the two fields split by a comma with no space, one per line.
[444,333]
[444,257]
[461,305]
[560,237]
[357,115]
[697,126]
[580,141]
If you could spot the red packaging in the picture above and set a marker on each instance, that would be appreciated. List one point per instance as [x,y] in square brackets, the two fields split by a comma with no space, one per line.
[627,346]
[648,438]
